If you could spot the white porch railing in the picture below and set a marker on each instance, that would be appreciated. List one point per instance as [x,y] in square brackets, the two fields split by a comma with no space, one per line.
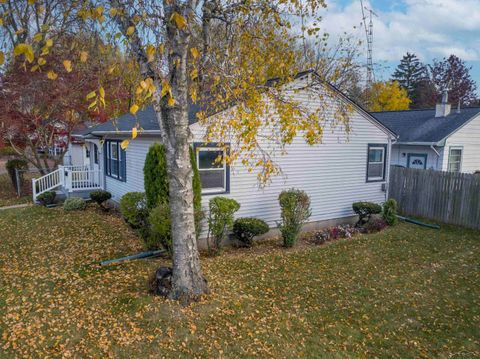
[46,183]
[69,179]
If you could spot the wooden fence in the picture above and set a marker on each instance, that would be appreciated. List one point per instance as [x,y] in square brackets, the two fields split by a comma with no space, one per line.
[442,196]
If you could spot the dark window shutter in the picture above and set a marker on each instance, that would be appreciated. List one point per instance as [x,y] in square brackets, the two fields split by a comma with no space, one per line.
[123,166]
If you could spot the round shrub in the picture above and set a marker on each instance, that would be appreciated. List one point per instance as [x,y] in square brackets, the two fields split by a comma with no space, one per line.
[100,197]
[244,229]
[295,211]
[375,225]
[46,198]
[133,207]
[74,204]
[220,221]
[389,213]
[16,164]
[365,210]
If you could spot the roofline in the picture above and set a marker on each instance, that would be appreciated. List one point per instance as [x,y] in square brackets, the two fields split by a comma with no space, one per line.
[439,143]
[460,127]
[359,108]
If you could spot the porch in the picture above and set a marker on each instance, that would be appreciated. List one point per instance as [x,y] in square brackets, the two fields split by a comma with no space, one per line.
[69,181]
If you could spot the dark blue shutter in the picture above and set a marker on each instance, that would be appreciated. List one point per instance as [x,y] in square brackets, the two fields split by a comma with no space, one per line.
[107,162]
[123,164]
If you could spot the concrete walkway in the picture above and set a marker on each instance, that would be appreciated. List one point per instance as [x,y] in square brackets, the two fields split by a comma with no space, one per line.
[17,206]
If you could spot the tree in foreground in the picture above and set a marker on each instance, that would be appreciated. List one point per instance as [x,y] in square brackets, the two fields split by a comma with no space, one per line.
[387,96]
[216,55]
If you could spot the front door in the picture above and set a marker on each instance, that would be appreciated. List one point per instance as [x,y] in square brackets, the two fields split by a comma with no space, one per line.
[95,157]
[417,160]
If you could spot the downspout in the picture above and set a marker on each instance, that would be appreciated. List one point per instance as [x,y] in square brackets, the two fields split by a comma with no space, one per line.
[437,153]
[390,144]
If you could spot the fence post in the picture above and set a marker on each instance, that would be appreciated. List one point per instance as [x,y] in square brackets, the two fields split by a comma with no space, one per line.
[34,190]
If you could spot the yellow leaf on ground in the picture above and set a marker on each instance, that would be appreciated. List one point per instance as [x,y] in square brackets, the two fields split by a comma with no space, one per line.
[130,30]
[20,49]
[52,75]
[179,20]
[41,61]
[134,133]
[49,43]
[68,65]
[134,109]
[91,95]
[124,144]
[194,52]
[171,101]
[150,53]
[83,56]
[101,91]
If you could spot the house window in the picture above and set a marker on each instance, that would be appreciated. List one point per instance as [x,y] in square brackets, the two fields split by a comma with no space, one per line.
[87,152]
[213,170]
[455,159]
[376,163]
[115,160]
[95,154]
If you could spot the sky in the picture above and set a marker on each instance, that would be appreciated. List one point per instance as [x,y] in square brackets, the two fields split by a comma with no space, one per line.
[429,28]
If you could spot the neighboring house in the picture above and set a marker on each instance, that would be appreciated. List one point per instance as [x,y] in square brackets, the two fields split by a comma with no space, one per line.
[441,139]
[343,169]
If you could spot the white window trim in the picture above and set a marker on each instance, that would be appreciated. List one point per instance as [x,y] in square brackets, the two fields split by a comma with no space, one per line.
[224,169]
[111,159]
[461,157]
[370,148]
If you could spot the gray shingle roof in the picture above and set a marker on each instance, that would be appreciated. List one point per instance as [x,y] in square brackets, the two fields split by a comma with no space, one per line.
[422,125]
[145,118]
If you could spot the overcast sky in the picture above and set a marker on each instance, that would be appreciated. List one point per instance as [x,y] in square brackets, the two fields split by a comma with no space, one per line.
[428,28]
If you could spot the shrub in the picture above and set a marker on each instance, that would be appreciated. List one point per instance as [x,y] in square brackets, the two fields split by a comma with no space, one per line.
[156,182]
[244,229]
[16,164]
[375,225]
[74,204]
[295,211]
[7,151]
[160,228]
[220,221]
[364,210]
[389,213]
[100,197]
[133,207]
[46,198]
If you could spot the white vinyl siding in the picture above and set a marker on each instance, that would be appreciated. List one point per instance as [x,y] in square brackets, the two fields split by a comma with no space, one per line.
[468,139]
[400,155]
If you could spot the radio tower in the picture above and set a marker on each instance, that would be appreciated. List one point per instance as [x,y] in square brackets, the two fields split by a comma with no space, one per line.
[369,35]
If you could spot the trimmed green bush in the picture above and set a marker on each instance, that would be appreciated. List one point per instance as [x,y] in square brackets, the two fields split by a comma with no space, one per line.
[74,204]
[156,180]
[365,210]
[16,164]
[295,211]
[133,207]
[100,197]
[244,229]
[46,198]
[220,221]
[389,213]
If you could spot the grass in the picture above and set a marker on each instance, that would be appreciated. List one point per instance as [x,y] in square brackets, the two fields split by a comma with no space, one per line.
[8,196]
[406,292]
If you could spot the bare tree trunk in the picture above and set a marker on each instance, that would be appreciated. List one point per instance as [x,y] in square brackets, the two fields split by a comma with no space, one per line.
[188,282]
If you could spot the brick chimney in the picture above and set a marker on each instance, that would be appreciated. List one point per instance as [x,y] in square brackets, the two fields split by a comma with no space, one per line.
[443,109]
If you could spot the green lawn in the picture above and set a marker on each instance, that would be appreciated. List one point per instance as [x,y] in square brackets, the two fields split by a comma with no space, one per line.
[406,292]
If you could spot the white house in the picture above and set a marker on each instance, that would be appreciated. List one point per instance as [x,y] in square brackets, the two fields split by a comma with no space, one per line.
[343,169]
[441,139]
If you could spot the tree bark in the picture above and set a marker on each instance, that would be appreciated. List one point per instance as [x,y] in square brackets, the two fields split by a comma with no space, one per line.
[188,282]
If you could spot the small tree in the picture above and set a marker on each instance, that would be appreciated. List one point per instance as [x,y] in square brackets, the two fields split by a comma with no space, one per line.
[365,210]
[387,96]
[220,221]
[389,212]
[245,229]
[100,197]
[295,207]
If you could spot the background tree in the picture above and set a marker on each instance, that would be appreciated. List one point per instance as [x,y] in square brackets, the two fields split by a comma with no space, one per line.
[41,106]
[238,47]
[387,96]
[453,75]
[409,74]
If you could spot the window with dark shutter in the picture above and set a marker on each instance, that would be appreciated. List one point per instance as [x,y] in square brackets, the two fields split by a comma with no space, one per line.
[115,160]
